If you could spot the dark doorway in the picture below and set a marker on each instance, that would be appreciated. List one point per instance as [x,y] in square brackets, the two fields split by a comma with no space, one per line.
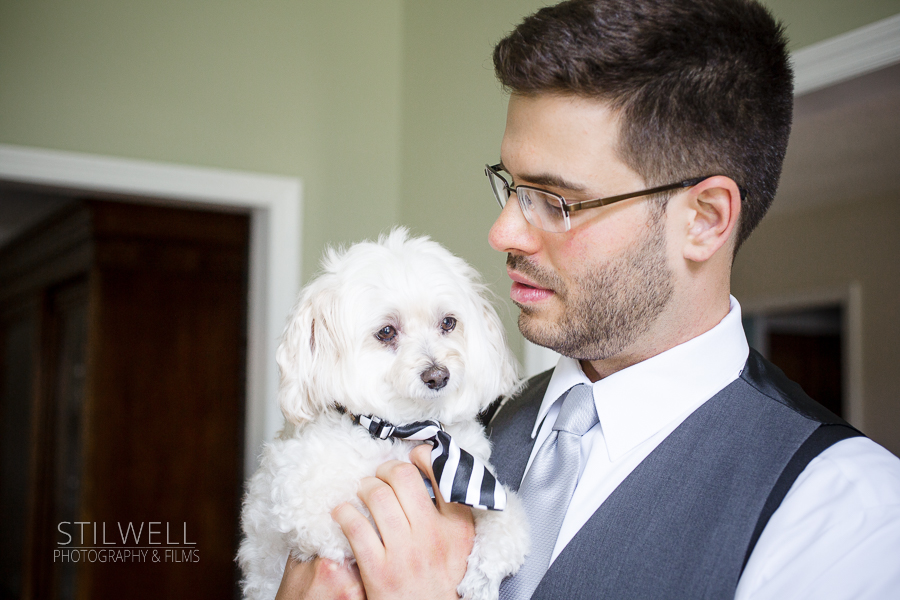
[122,378]
[807,345]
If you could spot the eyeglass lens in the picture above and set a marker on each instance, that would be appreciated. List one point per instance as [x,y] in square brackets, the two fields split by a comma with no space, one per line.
[541,209]
[499,186]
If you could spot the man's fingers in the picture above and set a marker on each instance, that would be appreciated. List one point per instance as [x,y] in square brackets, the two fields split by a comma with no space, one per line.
[407,483]
[364,540]
[421,458]
[386,506]
[298,577]
[422,551]
[320,579]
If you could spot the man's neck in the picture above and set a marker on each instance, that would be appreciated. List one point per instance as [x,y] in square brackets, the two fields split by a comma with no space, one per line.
[666,333]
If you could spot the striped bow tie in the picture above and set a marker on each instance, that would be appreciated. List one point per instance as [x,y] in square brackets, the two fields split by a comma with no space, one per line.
[461,477]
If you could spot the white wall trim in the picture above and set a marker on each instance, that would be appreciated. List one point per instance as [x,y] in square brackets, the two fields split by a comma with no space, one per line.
[274,203]
[846,56]
[850,299]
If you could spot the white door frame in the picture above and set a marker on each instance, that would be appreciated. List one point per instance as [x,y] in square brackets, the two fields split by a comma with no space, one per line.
[856,52]
[274,205]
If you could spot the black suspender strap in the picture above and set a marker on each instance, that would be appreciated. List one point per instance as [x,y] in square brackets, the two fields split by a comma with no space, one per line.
[821,439]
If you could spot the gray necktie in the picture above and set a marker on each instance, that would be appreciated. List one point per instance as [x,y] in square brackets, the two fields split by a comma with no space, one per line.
[548,487]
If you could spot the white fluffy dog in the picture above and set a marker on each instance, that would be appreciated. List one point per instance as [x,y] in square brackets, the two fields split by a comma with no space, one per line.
[399,329]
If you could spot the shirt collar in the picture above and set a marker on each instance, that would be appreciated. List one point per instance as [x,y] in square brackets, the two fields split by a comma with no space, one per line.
[635,403]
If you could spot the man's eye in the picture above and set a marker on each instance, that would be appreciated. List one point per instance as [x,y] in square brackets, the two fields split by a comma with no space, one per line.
[386,333]
[552,202]
[448,324]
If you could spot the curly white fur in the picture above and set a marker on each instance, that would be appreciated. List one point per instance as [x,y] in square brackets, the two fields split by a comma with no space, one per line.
[435,307]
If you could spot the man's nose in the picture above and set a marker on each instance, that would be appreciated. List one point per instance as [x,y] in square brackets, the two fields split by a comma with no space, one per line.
[511,232]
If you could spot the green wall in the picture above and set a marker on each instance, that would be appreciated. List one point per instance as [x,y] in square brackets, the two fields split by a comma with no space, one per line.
[307,89]
[385,110]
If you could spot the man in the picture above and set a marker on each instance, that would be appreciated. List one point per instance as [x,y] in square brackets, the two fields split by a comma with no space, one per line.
[693,468]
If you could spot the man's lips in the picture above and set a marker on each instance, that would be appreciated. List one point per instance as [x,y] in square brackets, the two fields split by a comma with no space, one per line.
[526,291]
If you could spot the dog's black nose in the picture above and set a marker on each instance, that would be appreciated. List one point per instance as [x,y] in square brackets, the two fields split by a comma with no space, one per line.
[435,377]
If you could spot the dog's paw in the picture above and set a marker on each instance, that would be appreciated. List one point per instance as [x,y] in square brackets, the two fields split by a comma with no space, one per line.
[501,543]
[477,586]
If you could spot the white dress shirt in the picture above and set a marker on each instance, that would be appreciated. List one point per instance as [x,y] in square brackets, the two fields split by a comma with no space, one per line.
[835,535]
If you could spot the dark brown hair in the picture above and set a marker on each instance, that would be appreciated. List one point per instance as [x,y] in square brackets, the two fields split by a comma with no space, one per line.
[703,87]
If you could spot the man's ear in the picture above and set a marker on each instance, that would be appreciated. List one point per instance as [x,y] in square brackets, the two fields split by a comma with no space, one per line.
[714,208]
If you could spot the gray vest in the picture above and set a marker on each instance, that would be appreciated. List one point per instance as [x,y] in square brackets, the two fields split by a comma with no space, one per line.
[684,522]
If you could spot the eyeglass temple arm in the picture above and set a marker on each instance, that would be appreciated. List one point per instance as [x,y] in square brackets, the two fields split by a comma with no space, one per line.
[612,199]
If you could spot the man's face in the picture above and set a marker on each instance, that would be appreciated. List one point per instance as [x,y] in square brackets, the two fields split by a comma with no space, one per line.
[593,291]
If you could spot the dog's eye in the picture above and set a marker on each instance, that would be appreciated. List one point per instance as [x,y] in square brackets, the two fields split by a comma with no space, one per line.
[386,333]
[448,324]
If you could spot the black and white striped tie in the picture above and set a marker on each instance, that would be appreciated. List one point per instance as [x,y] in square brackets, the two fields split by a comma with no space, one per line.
[461,477]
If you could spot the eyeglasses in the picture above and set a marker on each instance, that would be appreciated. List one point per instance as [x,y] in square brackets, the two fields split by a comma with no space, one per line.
[550,212]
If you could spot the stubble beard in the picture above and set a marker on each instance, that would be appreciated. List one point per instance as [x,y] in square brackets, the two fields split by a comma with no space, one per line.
[607,309]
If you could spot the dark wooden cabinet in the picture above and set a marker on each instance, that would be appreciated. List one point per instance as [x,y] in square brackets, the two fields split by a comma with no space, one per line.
[122,353]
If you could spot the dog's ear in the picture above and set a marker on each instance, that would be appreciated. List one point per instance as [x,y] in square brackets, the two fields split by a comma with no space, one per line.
[490,360]
[305,356]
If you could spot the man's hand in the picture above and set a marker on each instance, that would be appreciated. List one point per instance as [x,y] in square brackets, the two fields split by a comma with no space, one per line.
[423,548]
[320,579]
